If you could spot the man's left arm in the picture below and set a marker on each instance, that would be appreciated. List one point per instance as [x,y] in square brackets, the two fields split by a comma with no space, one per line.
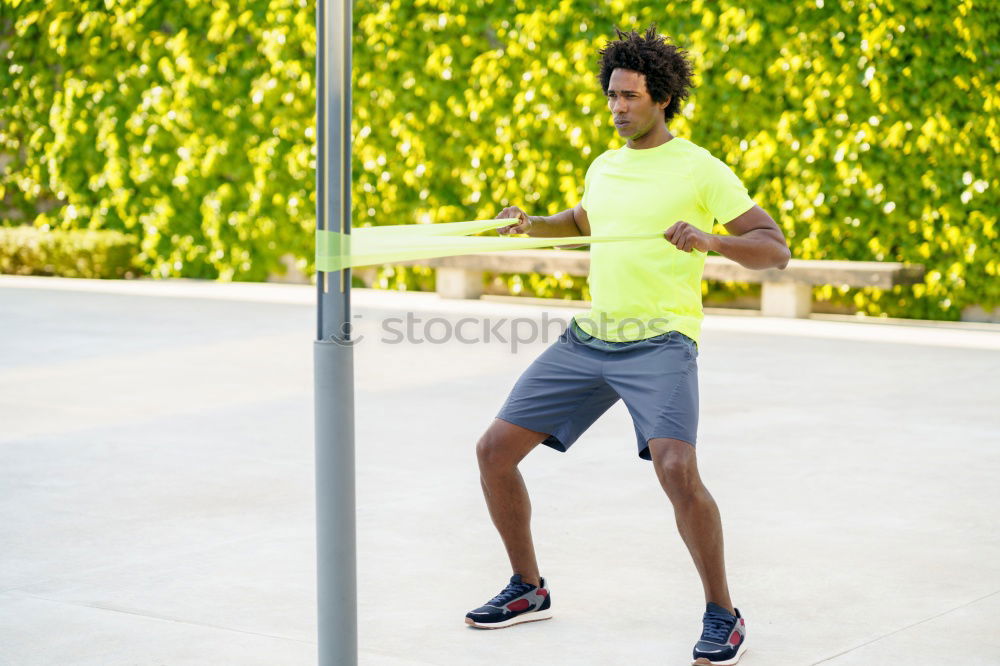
[756,240]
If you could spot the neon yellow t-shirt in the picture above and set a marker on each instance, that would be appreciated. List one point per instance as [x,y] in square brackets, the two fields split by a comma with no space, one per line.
[640,289]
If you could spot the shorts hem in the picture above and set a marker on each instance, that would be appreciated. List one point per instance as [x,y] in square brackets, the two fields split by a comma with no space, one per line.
[551,440]
[644,449]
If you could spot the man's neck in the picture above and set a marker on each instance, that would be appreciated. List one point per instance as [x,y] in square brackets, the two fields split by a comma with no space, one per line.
[657,136]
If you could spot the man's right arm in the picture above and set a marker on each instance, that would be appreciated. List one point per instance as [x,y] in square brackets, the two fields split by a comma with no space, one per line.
[570,222]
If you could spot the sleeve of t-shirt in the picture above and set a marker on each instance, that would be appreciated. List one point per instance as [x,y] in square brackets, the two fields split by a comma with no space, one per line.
[722,192]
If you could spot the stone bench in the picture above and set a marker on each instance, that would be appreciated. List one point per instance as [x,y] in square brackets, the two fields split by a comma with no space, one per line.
[785,293]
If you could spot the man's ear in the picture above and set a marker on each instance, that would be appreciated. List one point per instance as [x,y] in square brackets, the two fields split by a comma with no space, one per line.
[664,105]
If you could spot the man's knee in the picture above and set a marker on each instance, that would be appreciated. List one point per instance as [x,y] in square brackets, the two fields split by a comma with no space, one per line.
[504,445]
[489,451]
[675,464]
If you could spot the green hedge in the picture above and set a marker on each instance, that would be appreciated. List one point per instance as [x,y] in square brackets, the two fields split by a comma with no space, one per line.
[75,253]
[868,130]
[187,124]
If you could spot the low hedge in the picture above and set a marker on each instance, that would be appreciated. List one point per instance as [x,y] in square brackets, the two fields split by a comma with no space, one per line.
[80,253]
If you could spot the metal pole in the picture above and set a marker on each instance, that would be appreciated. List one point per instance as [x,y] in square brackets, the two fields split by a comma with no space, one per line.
[336,544]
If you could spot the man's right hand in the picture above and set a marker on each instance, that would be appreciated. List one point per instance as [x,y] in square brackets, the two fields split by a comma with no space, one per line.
[523,224]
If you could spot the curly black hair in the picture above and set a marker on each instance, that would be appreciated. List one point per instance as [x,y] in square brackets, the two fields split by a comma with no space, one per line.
[666,67]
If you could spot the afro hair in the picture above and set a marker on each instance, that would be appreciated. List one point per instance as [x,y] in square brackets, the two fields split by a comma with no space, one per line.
[666,67]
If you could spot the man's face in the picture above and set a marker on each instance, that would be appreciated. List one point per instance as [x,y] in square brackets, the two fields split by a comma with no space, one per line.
[632,109]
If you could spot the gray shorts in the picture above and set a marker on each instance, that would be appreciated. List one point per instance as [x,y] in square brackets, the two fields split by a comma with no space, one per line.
[578,378]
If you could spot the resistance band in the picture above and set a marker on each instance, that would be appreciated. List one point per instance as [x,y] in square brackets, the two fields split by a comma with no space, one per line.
[367,246]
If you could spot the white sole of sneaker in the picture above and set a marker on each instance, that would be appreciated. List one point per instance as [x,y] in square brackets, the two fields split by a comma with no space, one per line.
[537,616]
[702,661]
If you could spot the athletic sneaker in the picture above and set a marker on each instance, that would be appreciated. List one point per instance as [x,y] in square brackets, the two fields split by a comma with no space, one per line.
[723,639]
[516,603]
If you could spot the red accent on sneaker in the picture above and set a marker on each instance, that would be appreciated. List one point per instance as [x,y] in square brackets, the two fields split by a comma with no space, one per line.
[542,592]
[735,638]
[519,605]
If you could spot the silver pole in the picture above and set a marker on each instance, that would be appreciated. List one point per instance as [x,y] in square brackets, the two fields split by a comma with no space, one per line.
[336,543]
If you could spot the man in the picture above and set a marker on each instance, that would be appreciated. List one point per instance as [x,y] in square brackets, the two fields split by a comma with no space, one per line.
[639,341]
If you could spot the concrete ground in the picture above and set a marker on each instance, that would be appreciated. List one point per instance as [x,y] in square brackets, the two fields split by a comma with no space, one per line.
[156,487]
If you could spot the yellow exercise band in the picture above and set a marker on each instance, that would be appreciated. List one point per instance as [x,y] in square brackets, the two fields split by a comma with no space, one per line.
[367,246]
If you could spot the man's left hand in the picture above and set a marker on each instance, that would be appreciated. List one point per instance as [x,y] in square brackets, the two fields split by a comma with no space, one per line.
[687,237]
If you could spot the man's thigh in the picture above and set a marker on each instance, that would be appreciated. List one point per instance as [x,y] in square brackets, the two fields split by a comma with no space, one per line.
[561,393]
[658,381]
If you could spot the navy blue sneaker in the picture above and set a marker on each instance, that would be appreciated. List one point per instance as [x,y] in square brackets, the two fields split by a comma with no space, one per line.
[518,602]
[723,640]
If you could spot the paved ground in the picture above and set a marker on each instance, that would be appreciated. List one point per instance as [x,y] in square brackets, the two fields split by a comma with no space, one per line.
[156,488]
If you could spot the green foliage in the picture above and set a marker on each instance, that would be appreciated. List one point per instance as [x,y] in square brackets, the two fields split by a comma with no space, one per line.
[79,253]
[867,129]
[188,124]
